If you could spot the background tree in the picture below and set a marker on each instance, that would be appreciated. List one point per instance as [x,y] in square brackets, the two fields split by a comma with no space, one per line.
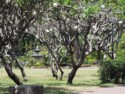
[15,17]
[83,28]
[52,40]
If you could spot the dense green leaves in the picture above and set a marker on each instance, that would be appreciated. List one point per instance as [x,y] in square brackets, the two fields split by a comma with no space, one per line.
[24,3]
[112,71]
[90,10]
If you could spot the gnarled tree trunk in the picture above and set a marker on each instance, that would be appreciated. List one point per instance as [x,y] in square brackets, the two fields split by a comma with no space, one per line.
[62,72]
[12,52]
[22,70]
[72,75]
[9,71]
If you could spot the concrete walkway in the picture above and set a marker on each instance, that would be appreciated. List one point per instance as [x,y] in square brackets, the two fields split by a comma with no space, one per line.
[120,89]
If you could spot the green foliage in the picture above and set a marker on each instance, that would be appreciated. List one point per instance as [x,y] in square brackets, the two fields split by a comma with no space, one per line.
[90,10]
[90,59]
[21,2]
[93,57]
[73,7]
[30,61]
[22,58]
[27,43]
[118,7]
[38,64]
[67,2]
[45,59]
[120,55]
[25,3]
[112,71]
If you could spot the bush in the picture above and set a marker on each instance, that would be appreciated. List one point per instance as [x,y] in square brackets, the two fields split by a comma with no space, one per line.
[30,61]
[112,71]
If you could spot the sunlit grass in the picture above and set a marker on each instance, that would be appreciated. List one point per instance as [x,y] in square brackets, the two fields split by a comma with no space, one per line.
[85,78]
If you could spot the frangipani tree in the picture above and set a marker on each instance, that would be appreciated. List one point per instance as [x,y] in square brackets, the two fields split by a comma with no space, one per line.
[49,36]
[16,16]
[83,29]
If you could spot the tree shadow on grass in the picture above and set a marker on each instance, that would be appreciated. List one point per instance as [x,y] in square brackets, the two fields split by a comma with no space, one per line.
[55,90]
[4,90]
[47,90]
[56,84]
[93,83]
[87,83]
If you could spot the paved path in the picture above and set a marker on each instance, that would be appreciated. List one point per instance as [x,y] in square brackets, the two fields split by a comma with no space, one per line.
[106,90]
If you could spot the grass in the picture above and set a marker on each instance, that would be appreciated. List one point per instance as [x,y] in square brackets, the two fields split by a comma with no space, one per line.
[85,79]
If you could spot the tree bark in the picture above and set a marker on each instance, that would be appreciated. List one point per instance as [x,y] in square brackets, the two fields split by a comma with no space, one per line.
[123,74]
[12,52]
[13,76]
[54,74]
[62,72]
[22,71]
[98,56]
[9,71]
[26,89]
[72,75]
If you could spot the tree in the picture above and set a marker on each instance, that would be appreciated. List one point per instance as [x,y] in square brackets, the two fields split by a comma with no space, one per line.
[52,40]
[16,16]
[83,28]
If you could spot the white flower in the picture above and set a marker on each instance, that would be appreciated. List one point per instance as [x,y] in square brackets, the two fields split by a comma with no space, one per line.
[16,86]
[114,55]
[87,53]
[40,11]
[90,47]
[102,6]
[104,56]
[34,12]
[51,29]
[7,1]
[38,29]
[16,5]
[55,5]
[37,36]
[26,30]
[68,19]
[120,22]
[75,27]
[94,27]
[47,31]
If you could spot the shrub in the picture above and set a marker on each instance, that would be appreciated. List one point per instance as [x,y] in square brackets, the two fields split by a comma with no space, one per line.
[38,64]
[112,71]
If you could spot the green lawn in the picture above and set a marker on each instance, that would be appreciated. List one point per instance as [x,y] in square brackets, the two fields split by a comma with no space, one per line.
[85,79]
